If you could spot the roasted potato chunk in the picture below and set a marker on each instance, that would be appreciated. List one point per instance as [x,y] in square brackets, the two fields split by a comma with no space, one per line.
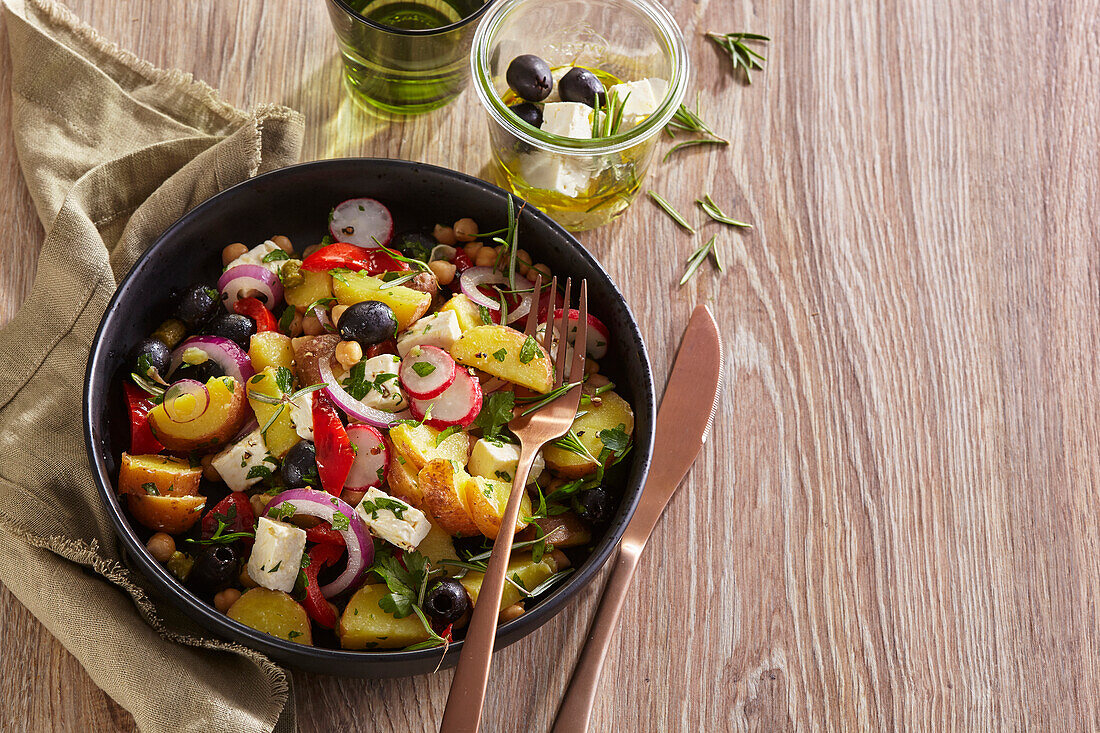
[417,443]
[443,485]
[223,417]
[309,350]
[273,612]
[364,625]
[171,514]
[611,412]
[505,353]
[487,500]
[168,476]
[521,566]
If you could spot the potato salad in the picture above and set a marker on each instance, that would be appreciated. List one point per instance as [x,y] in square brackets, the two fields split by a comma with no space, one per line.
[319,441]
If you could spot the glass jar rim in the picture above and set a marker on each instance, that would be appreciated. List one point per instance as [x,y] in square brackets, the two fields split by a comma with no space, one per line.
[476,15]
[654,123]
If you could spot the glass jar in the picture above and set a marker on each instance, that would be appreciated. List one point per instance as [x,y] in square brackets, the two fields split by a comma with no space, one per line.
[581,183]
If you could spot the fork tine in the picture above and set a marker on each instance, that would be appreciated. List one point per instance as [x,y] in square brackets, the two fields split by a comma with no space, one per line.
[576,370]
[562,332]
[533,314]
[548,337]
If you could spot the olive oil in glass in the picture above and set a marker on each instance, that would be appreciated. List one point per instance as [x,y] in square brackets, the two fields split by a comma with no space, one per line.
[404,57]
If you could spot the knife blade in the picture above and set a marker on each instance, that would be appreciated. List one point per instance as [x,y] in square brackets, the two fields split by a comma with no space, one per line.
[684,420]
[683,424]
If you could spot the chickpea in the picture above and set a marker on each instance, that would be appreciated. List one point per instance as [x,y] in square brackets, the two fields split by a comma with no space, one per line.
[560,559]
[284,243]
[259,503]
[337,311]
[208,471]
[486,257]
[590,367]
[512,612]
[349,353]
[310,250]
[544,269]
[225,599]
[161,546]
[245,579]
[444,271]
[232,252]
[522,256]
[311,326]
[465,230]
[472,249]
[444,235]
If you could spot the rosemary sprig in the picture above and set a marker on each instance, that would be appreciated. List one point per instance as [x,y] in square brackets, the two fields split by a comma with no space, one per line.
[699,255]
[547,398]
[714,212]
[672,212]
[608,117]
[687,120]
[690,144]
[741,56]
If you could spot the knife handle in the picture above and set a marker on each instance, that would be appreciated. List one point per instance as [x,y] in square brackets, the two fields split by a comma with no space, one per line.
[576,706]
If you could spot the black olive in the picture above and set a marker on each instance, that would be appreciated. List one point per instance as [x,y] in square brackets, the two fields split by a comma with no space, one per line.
[215,569]
[369,322]
[447,601]
[581,85]
[530,77]
[529,113]
[594,506]
[199,372]
[150,354]
[197,305]
[300,464]
[416,245]
[235,327]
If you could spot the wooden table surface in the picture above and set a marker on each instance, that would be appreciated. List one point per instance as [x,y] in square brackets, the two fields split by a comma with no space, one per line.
[894,524]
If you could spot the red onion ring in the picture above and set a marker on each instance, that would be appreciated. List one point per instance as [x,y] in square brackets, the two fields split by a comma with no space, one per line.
[473,278]
[324,319]
[186,387]
[353,408]
[223,352]
[324,505]
[244,280]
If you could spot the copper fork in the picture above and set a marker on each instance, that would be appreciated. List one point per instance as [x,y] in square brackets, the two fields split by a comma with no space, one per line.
[534,428]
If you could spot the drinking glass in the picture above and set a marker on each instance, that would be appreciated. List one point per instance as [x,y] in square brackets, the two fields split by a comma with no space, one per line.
[404,57]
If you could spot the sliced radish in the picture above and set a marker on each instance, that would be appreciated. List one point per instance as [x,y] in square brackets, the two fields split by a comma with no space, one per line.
[372,458]
[458,405]
[426,371]
[597,337]
[361,222]
[550,301]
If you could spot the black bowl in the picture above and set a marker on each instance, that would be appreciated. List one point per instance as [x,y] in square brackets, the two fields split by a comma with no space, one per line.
[295,201]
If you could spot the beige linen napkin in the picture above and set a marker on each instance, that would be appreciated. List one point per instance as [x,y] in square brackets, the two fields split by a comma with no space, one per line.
[113,151]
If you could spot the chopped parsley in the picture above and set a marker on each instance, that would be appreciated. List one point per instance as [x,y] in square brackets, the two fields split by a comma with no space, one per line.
[275,256]
[423,368]
[496,412]
[284,378]
[340,521]
[486,316]
[150,488]
[529,350]
[500,355]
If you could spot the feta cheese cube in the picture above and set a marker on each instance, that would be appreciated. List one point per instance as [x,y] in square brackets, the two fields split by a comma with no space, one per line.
[497,460]
[301,415]
[645,97]
[255,256]
[236,462]
[393,520]
[439,329]
[384,391]
[568,119]
[565,174]
[277,555]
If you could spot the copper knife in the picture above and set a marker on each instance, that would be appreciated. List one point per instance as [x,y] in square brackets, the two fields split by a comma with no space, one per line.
[683,423]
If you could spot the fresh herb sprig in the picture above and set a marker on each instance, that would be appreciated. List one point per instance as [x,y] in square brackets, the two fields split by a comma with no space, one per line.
[543,400]
[741,56]
[607,117]
[686,120]
[697,257]
[670,210]
[712,210]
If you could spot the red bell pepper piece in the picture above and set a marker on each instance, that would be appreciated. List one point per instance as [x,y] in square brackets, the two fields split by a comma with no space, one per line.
[139,402]
[324,534]
[235,510]
[320,556]
[462,261]
[334,452]
[255,309]
[352,257]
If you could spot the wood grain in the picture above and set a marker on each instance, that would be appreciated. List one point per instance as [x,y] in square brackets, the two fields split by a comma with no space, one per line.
[895,524]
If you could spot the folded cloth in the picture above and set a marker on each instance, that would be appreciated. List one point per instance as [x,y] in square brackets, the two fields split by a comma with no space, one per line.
[113,151]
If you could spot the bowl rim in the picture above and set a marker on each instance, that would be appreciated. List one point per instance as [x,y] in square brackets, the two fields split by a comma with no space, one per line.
[220,625]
